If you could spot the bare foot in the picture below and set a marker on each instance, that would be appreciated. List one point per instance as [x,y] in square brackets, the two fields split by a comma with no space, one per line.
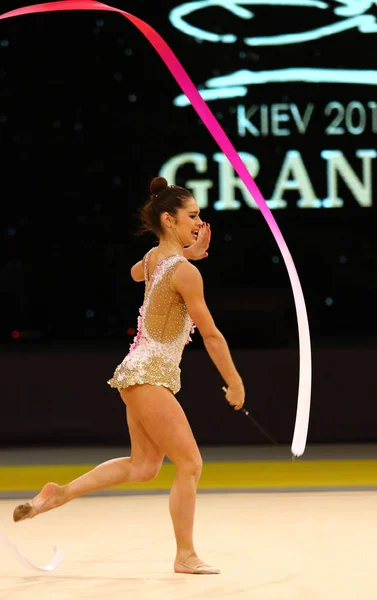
[194,566]
[51,496]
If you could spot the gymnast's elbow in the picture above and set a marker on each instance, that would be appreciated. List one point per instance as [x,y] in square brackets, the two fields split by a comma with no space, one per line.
[137,272]
[212,336]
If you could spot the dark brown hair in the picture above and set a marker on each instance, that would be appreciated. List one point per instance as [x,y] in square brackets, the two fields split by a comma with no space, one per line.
[163,198]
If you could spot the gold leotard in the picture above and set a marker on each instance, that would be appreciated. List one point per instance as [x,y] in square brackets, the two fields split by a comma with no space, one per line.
[164,327]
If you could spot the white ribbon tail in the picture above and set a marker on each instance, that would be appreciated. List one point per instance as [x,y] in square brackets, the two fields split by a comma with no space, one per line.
[26,562]
[304,391]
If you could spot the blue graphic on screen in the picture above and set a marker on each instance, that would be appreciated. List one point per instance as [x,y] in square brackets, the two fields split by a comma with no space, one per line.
[351,13]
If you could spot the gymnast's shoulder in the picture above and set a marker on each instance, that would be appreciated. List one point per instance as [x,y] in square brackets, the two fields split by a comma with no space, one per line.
[186,277]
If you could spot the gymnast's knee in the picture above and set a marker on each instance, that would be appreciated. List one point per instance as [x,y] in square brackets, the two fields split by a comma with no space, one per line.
[147,471]
[191,467]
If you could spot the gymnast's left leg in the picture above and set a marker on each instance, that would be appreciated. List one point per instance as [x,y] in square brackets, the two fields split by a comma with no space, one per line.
[144,464]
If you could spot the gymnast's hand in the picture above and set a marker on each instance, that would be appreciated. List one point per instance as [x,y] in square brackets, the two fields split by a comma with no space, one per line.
[235,395]
[198,250]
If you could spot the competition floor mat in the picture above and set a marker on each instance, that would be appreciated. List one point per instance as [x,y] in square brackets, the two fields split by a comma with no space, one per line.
[275,546]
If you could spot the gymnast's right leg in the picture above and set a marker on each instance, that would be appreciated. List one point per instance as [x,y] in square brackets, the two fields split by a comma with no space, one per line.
[144,464]
[166,423]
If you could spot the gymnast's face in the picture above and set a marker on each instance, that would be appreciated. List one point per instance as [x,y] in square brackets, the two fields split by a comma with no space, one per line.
[187,222]
[183,227]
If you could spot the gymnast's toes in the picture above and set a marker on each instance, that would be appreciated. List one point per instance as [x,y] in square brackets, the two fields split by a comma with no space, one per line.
[23,511]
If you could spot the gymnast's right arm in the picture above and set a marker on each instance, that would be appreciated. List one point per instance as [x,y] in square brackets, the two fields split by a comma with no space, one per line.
[137,271]
[188,281]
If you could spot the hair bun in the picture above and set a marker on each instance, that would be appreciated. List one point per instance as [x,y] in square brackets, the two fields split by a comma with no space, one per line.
[158,185]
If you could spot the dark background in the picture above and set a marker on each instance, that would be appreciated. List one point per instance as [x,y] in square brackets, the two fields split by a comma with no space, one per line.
[86,120]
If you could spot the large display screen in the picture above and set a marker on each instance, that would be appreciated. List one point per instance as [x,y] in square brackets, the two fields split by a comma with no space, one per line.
[89,114]
[294,83]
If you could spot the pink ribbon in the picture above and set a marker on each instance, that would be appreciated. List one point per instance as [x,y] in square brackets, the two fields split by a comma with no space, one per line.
[215,129]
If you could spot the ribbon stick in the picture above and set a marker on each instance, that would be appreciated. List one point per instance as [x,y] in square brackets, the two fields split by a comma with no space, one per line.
[25,562]
[215,129]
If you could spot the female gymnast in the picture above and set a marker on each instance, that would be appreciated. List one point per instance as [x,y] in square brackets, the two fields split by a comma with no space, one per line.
[149,376]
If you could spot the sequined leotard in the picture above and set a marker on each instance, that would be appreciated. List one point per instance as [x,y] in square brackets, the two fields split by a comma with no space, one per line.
[164,327]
